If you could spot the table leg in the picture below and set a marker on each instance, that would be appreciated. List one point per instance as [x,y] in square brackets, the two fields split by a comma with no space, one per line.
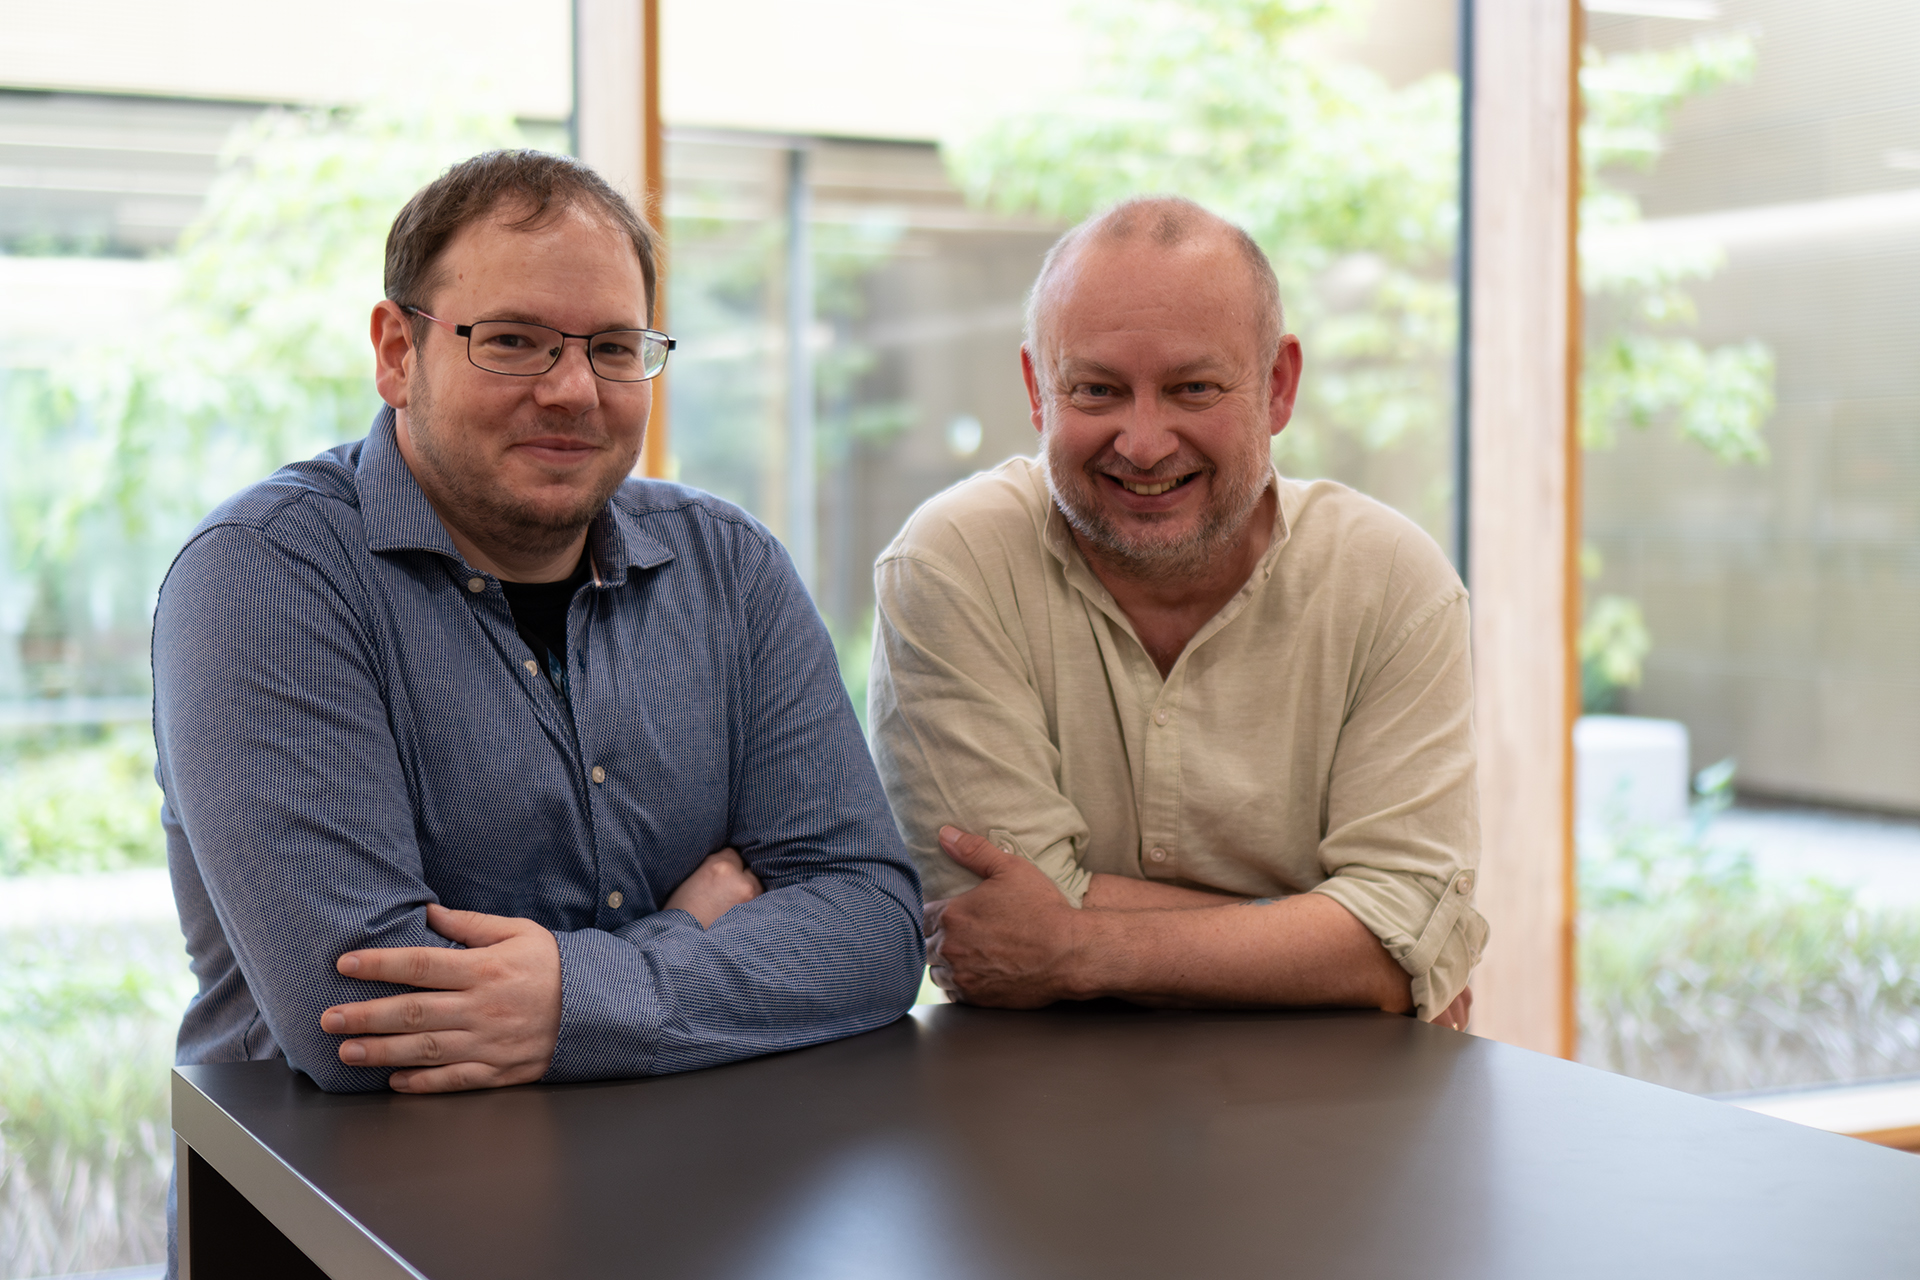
[222,1236]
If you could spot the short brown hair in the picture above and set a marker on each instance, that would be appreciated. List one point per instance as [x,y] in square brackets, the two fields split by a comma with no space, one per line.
[539,182]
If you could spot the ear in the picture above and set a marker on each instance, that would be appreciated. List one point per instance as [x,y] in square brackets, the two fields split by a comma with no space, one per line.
[1032,375]
[393,352]
[1283,384]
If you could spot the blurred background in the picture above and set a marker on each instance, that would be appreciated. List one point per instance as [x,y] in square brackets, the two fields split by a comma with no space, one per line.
[193,200]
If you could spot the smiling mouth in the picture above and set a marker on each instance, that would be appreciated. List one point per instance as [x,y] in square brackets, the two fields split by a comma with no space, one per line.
[1151,488]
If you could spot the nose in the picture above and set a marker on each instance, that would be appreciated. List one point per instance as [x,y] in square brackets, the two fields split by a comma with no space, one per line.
[571,384]
[1146,438]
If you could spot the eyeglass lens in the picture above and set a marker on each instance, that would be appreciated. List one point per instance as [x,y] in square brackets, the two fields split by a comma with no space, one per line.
[525,350]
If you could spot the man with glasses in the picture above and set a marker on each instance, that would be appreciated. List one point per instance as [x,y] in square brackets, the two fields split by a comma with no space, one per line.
[486,763]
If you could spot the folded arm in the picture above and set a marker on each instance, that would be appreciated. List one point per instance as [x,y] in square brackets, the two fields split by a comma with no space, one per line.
[289,799]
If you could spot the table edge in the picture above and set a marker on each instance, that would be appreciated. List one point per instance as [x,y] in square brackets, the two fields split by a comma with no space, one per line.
[336,1242]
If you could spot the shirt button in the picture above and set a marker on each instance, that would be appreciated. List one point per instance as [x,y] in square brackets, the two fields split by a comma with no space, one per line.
[599,774]
[1465,883]
[533,668]
[1160,717]
[1158,855]
[476,585]
[615,898]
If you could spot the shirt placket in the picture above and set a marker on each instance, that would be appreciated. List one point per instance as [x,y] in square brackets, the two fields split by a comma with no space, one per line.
[1160,792]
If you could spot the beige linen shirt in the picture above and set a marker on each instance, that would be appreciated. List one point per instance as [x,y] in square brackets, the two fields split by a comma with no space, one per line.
[1315,735]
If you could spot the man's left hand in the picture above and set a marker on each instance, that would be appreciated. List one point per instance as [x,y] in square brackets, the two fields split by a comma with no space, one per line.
[1007,942]
[484,1017]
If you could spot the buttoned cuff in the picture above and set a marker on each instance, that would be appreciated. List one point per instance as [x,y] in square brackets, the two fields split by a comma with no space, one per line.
[1447,936]
[1058,861]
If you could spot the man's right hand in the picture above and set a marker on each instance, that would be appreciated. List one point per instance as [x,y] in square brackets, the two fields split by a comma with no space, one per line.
[716,886]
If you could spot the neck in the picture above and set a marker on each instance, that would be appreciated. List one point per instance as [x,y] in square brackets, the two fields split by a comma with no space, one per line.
[550,560]
[1167,612]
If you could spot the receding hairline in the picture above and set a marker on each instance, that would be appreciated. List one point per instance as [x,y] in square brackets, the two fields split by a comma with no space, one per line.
[1168,222]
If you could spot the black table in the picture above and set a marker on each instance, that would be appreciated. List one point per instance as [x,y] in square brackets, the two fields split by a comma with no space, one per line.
[1098,1141]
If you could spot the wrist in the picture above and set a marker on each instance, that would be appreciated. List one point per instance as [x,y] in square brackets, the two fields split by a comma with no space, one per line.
[1090,956]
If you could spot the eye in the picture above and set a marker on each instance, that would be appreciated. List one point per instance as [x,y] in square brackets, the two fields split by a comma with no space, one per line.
[1195,388]
[1094,390]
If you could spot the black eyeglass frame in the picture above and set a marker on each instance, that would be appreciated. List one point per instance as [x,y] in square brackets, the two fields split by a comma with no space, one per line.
[466,331]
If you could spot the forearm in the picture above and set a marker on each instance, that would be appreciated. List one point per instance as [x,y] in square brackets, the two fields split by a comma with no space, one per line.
[794,967]
[1125,893]
[1305,950]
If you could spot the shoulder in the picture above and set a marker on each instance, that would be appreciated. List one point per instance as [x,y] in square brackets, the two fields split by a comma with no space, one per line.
[1356,551]
[985,525]
[288,508]
[685,521]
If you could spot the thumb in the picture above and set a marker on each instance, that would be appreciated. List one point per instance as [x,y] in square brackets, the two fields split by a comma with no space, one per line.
[471,928]
[976,854]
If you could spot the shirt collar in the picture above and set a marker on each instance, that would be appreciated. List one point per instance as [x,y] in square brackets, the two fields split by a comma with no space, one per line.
[398,516]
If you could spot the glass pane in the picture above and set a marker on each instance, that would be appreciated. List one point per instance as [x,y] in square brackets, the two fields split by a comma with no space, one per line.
[143,377]
[921,255]
[1750,782]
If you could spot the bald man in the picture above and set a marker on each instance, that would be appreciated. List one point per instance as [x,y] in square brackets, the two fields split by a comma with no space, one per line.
[1157,722]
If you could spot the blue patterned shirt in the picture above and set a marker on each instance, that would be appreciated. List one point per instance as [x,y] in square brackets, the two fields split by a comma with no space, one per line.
[350,728]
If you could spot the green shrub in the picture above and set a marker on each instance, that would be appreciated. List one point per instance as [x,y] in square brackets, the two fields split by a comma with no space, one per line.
[90,806]
[1696,973]
[88,1014]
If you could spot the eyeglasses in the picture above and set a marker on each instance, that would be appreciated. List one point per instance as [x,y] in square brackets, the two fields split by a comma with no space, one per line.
[522,350]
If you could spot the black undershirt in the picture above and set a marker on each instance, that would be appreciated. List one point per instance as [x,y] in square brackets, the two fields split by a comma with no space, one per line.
[540,616]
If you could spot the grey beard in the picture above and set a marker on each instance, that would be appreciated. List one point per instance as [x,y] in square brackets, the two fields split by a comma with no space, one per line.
[1186,557]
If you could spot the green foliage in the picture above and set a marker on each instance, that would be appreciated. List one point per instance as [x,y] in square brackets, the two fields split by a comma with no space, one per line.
[1698,973]
[1716,989]
[1637,371]
[1350,185]
[1613,642]
[91,807]
[260,355]
[1632,377]
[88,1014]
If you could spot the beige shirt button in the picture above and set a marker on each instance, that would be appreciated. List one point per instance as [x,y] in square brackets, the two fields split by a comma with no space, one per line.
[1158,855]
[476,585]
[1464,884]
[615,898]
[533,668]
[1161,717]
[599,774]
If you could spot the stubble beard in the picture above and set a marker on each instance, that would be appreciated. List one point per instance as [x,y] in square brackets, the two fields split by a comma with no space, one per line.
[1141,556]
[484,511]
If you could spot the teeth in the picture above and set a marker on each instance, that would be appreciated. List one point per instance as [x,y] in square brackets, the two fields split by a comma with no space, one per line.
[1149,490]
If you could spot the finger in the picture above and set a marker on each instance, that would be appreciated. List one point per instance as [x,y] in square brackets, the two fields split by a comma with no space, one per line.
[982,857]
[439,967]
[473,928]
[930,915]
[453,1078]
[392,1015]
[728,857]
[428,1049]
